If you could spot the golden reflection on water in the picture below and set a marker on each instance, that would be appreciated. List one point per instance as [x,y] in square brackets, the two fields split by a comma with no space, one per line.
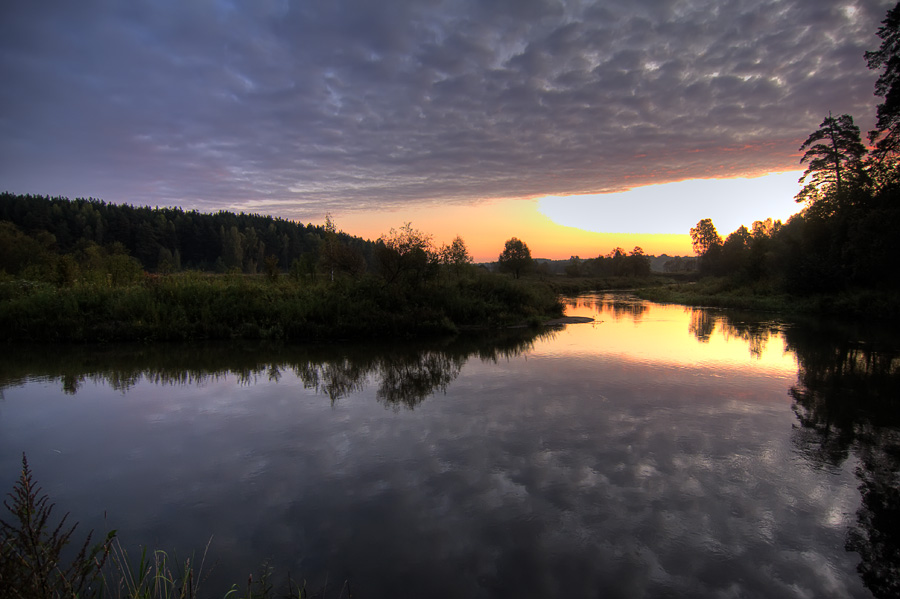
[672,334]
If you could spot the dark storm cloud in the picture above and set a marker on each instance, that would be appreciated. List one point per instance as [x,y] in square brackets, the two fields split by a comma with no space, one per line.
[292,107]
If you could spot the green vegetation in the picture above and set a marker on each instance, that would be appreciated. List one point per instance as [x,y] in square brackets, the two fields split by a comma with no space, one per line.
[281,280]
[36,233]
[190,306]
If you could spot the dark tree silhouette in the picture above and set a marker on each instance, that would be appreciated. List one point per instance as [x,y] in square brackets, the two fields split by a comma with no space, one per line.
[163,238]
[515,258]
[407,254]
[887,58]
[834,156]
[704,236]
[456,256]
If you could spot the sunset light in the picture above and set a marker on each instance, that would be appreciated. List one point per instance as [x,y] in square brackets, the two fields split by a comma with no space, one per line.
[674,208]
[485,227]
[656,218]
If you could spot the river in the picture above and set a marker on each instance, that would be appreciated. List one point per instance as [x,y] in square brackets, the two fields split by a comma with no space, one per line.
[659,451]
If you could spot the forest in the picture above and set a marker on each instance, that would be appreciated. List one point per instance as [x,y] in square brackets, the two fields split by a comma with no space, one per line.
[85,270]
[53,238]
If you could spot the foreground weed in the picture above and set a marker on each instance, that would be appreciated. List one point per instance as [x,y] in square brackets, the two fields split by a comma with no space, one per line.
[31,549]
[33,562]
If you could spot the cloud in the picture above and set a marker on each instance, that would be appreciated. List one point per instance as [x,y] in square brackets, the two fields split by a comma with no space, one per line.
[352,104]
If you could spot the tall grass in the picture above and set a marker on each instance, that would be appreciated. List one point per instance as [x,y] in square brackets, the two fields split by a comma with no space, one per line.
[153,576]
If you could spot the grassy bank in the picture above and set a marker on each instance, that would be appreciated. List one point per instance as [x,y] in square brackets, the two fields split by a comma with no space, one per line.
[189,306]
[576,285]
[865,304]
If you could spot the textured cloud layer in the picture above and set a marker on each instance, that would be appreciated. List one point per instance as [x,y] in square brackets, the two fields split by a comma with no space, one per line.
[281,106]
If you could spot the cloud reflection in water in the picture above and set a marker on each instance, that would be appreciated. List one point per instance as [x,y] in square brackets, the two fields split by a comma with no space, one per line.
[561,466]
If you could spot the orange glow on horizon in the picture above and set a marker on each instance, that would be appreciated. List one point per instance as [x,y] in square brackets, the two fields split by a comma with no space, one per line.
[657,218]
[485,228]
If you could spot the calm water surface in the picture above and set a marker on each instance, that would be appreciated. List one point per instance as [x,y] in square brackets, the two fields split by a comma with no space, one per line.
[661,451]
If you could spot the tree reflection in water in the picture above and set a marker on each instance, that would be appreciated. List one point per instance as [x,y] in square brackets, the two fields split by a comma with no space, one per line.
[756,333]
[409,380]
[406,374]
[847,402]
[617,305]
[703,324]
[847,399]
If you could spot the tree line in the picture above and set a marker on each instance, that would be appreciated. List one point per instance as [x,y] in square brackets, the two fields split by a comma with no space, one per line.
[846,235]
[62,241]
[39,235]
[59,240]
[617,263]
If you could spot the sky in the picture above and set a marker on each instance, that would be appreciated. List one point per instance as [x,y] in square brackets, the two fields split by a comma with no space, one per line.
[576,126]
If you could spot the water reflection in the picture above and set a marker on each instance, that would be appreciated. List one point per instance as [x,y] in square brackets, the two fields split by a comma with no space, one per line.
[661,451]
[847,404]
[660,334]
[703,323]
[405,375]
[847,401]
[750,328]
[618,306]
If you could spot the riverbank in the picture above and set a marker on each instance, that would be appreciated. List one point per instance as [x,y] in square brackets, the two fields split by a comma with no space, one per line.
[863,304]
[576,285]
[193,306]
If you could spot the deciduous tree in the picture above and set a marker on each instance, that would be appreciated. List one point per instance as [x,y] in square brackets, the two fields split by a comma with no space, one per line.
[456,256]
[336,255]
[638,263]
[704,236]
[515,257]
[406,253]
